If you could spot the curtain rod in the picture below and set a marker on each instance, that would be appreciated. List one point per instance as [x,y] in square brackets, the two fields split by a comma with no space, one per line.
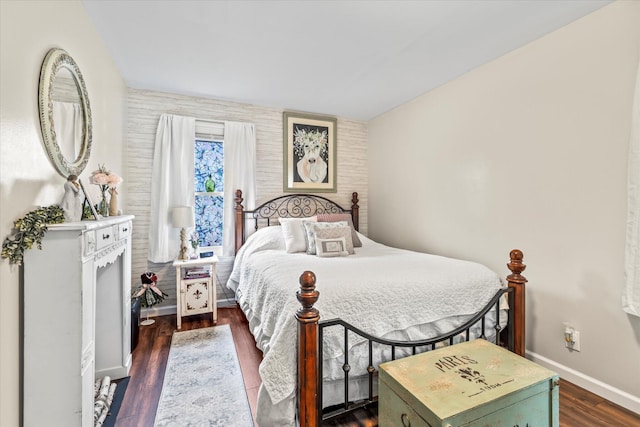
[210,121]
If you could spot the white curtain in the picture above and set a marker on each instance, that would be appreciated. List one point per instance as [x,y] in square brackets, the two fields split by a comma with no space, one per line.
[631,294]
[239,173]
[68,122]
[172,183]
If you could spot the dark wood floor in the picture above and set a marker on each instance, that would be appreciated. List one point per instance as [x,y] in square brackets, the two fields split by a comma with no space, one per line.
[578,407]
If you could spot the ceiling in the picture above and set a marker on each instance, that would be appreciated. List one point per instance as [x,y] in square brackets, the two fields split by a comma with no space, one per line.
[354,59]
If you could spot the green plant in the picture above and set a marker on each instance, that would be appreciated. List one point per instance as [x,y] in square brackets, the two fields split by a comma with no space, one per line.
[30,230]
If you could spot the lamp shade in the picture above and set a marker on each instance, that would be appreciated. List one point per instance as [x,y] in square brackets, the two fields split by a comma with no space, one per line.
[182,216]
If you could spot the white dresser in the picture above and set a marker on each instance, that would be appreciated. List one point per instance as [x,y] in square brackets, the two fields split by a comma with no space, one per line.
[77,318]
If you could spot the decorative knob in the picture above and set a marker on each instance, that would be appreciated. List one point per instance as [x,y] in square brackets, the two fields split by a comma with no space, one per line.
[105,236]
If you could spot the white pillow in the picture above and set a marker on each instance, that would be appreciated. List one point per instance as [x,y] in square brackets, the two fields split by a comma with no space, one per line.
[336,246]
[294,233]
[333,217]
[312,226]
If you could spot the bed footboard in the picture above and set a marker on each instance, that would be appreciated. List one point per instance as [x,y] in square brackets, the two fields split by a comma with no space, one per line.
[517,282]
[308,381]
[309,390]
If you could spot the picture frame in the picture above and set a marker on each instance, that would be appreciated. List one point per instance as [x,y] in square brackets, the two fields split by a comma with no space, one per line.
[87,199]
[309,157]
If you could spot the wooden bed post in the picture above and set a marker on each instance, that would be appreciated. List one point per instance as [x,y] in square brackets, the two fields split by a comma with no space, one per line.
[308,318]
[517,283]
[239,223]
[355,211]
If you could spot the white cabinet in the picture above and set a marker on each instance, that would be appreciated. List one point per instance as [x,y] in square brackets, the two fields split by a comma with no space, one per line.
[195,287]
[77,318]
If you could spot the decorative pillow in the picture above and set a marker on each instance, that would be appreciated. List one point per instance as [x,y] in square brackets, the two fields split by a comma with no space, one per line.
[331,247]
[342,217]
[294,233]
[336,233]
[313,227]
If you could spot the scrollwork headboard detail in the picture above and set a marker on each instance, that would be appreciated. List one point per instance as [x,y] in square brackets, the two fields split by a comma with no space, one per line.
[287,206]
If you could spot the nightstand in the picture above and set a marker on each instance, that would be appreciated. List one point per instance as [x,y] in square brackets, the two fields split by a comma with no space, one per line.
[196,287]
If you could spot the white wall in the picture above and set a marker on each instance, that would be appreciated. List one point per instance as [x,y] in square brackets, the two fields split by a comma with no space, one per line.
[144,110]
[530,152]
[27,178]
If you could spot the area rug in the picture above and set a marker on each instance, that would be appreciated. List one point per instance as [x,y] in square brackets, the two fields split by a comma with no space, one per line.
[203,384]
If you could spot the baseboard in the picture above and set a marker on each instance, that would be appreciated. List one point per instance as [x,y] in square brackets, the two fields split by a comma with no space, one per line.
[172,309]
[611,393]
[158,311]
[229,302]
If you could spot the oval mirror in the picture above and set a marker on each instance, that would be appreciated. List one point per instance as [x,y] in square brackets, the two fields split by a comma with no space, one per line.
[65,113]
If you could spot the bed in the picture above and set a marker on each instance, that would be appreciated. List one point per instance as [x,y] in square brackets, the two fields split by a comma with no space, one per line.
[378,304]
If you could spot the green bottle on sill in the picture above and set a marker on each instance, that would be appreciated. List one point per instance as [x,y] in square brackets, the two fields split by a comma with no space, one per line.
[209,185]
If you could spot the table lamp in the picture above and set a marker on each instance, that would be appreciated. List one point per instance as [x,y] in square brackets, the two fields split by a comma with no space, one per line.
[183,218]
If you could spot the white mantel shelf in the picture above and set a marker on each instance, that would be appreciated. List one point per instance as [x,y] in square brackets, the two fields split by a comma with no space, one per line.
[90,225]
[77,318]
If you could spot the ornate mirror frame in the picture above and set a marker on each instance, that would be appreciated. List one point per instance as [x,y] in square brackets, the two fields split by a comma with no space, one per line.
[55,60]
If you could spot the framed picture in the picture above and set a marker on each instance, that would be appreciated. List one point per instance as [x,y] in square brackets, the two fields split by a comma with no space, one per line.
[309,153]
[87,200]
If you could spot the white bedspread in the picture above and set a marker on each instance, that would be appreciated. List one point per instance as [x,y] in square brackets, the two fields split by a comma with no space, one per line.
[384,291]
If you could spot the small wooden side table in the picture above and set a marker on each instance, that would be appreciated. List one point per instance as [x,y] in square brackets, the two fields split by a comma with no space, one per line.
[471,384]
[195,287]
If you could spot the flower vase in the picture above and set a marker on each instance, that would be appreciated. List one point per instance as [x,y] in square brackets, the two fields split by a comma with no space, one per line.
[193,252]
[103,206]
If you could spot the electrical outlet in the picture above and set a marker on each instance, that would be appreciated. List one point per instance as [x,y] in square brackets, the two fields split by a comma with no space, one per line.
[571,338]
[576,341]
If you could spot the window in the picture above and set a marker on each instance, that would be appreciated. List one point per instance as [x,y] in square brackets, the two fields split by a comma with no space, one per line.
[209,192]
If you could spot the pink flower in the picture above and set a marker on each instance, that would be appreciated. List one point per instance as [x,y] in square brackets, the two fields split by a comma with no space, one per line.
[99,178]
[114,180]
[104,178]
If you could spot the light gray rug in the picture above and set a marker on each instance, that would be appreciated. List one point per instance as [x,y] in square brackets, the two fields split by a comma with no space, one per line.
[203,384]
